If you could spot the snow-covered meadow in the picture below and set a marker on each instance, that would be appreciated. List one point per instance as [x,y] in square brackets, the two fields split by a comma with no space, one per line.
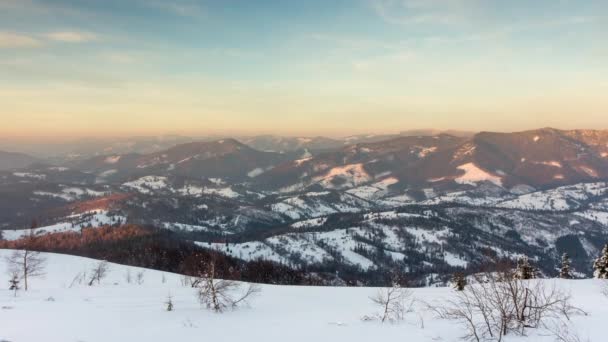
[56,310]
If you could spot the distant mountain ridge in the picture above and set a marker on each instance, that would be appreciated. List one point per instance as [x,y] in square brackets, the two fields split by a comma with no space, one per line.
[537,158]
[225,158]
[12,160]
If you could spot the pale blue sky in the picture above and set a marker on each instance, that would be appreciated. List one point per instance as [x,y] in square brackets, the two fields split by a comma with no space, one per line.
[300,67]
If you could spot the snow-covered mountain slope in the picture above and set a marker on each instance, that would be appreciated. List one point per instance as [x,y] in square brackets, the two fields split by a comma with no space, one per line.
[429,239]
[558,199]
[72,223]
[59,309]
[316,204]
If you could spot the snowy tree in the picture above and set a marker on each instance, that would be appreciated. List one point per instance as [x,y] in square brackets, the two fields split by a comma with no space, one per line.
[524,269]
[28,264]
[600,266]
[565,272]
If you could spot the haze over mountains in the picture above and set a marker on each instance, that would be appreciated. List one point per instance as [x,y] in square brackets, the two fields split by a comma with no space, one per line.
[360,204]
[89,147]
[14,160]
[535,158]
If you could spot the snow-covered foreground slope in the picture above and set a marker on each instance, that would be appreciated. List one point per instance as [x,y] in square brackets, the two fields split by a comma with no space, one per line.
[117,311]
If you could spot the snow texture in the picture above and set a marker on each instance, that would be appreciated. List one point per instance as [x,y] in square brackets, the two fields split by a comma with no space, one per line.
[63,310]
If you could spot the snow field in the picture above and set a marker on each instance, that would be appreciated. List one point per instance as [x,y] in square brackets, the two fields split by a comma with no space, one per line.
[52,311]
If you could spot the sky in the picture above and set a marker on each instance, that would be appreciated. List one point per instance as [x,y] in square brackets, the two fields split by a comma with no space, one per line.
[122,67]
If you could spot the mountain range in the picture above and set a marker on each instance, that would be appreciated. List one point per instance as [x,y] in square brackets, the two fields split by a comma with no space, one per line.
[358,205]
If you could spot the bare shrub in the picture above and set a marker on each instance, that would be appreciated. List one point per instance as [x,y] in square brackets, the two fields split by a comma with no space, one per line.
[79,278]
[186,281]
[502,304]
[218,295]
[28,264]
[139,277]
[99,272]
[394,303]
[128,276]
[563,332]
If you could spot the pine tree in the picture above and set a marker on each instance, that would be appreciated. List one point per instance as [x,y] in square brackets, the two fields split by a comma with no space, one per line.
[524,270]
[600,266]
[565,272]
[14,283]
[169,303]
[460,282]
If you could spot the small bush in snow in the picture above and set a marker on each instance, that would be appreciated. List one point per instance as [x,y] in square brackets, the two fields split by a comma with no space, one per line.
[394,303]
[14,282]
[128,277]
[139,277]
[169,303]
[99,272]
[504,304]
[78,279]
[218,295]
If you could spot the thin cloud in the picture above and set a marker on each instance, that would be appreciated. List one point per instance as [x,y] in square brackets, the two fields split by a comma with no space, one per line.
[119,58]
[412,12]
[71,36]
[349,42]
[181,8]
[16,40]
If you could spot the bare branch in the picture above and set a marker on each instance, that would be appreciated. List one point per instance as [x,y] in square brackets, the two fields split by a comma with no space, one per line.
[394,302]
[98,273]
[219,295]
[500,304]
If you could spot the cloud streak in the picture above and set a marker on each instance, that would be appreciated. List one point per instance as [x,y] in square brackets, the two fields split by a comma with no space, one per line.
[13,40]
[180,8]
[71,36]
[17,40]
[421,12]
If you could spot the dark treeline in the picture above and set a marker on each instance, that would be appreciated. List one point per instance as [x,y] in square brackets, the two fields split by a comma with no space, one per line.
[160,250]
